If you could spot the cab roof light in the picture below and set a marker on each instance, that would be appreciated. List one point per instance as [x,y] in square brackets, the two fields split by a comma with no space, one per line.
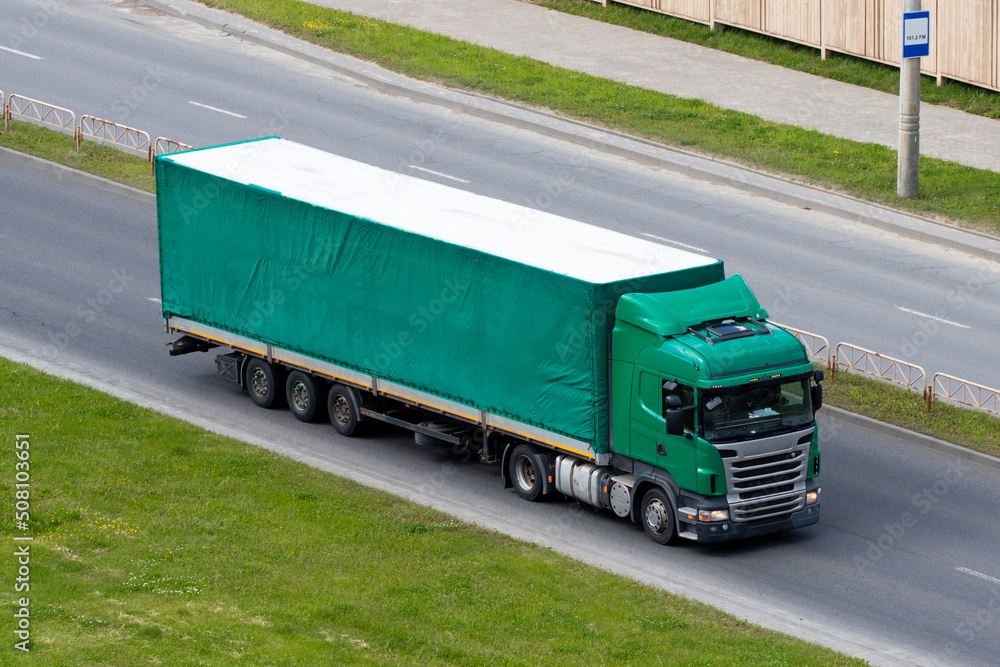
[731,329]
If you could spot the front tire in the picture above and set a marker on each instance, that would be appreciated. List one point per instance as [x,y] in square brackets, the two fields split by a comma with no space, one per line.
[658,517]
[306,396]
[266,383]
[525,473]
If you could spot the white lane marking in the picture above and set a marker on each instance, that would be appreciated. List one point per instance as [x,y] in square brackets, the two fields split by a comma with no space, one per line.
[228,113]
[992,580]
[153,299]
[932,317]
[676,243]
[438,173]
[21,53]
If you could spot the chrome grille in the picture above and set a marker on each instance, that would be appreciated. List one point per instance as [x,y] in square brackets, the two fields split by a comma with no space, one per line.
[766,478]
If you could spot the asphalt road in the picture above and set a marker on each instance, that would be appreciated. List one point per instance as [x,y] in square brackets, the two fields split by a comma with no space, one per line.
[934,307]
[78,278]
[901,569]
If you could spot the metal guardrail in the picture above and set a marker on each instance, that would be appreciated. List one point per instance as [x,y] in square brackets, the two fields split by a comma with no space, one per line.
[880,366]
[164,146]
[40,112]
[111,132]
[817,347]
[964,392]
[90,127]
[169,146]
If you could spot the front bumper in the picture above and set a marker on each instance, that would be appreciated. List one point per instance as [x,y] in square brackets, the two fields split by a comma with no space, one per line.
[723,531]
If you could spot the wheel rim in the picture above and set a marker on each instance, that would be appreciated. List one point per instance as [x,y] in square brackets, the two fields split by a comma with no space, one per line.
[341,410]
[258,382]
[656,516]
[524,471]
[300,396]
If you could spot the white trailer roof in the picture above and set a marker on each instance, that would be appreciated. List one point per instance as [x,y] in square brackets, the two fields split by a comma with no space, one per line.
[518,233]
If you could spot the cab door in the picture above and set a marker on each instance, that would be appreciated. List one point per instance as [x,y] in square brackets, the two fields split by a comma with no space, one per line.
[650,442]
[646,420]
[678,453]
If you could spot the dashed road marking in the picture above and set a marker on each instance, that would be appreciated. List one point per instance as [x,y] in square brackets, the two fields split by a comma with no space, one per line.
[228,113]
[992,580]
[932,317]
[21,53]
[438,173]
[676,243]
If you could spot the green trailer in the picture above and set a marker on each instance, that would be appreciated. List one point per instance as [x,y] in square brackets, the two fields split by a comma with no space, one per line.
[348,291]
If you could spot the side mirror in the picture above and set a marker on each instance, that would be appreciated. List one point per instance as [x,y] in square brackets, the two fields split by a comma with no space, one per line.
[675,421]
[818,375]
[674,414]
[817,395]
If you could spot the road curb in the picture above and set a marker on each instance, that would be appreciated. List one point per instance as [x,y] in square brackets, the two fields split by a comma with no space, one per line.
[911,437]
[64,173]
[583,134]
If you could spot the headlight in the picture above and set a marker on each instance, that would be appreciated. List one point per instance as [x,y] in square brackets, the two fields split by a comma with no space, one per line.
[812,497]
[713,515]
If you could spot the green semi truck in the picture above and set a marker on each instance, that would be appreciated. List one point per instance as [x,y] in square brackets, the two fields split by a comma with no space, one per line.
[626,374]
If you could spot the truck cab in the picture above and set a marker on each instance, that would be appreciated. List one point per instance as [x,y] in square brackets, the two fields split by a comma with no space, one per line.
[716,407]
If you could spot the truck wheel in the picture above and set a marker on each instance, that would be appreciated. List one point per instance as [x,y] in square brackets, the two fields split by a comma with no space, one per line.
[525,474]
[343,409]
[306,396]
[265,383]
[658,517]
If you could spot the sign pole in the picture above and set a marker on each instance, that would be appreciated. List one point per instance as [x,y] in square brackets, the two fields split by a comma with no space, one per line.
[916,43]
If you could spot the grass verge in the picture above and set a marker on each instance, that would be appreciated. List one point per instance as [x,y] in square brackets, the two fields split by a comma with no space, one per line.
[838,66]
[157,542]
[949,191]
[966,427]
[98,159]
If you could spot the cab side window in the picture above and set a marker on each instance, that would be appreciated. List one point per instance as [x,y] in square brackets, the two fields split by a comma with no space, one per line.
[687,401]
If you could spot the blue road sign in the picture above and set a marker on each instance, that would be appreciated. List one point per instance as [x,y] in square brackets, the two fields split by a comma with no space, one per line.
[916,34]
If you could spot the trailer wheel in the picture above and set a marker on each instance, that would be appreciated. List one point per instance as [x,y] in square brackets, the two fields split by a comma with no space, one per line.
[265,382]
[658,517]
[342,405]
[306,396]
[525,473]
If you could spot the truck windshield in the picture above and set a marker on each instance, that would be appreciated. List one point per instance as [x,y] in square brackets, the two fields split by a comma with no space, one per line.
[757,411]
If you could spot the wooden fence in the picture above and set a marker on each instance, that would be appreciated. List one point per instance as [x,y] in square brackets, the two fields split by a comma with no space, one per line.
[965,34]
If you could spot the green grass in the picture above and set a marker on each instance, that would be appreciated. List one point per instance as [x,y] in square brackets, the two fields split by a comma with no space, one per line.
[949,191]
[159,543]
[841,67]
[101,160]
[966,427]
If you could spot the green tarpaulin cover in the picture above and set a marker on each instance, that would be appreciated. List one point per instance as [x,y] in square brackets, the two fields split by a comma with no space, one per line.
[480,301]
